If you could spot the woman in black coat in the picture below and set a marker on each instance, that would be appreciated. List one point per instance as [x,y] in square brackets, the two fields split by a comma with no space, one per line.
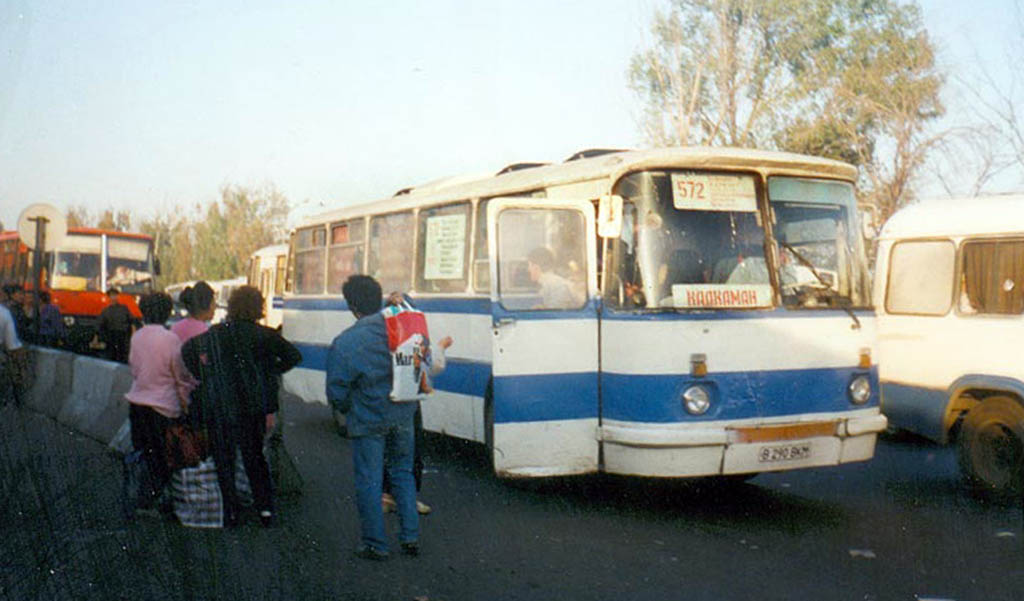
[238,364]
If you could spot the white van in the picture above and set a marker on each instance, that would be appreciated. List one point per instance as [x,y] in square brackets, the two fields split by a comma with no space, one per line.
[949,295]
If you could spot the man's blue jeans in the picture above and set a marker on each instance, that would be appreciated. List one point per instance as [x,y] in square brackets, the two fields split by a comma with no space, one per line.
[371,455]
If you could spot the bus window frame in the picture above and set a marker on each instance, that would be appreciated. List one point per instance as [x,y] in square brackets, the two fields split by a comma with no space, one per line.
[410,275]
[361,269]
[296,251]
[419,262]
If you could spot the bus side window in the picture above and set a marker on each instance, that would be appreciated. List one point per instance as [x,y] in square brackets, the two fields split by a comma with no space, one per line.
[920,277]
[346,253]
[992,277]
[310,260]
[443,253]
[391,246]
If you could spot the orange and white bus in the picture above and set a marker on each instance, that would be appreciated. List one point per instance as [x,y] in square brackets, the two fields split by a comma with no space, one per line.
[81,269]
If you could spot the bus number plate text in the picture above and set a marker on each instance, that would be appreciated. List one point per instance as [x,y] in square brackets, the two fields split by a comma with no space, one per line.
[786,452]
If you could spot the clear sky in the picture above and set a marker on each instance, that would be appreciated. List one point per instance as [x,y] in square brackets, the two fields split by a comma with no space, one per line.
[147,105]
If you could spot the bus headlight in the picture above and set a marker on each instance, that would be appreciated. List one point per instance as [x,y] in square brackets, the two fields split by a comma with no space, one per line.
[696,400]
[69,320]
[859,390]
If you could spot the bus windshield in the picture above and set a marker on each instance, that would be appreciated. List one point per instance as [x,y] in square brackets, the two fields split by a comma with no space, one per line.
[697,240]
[690,240]
[821,253]
[76,265]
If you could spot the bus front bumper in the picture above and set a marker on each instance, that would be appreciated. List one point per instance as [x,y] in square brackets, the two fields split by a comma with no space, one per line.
[723,448]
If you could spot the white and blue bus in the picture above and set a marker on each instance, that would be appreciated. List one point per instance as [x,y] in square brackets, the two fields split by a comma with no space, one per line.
[671,313]
[267,270]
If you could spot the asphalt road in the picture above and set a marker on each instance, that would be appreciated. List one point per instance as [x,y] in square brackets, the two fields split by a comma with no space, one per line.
[899,527]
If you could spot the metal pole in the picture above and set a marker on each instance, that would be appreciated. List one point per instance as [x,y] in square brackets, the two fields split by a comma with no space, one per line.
[103,263]
[37,268]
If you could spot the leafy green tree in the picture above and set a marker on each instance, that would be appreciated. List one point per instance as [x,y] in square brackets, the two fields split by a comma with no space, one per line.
[244,220]
[849,79]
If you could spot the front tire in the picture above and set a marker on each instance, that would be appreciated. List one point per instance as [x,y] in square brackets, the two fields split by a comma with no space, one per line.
[991,445]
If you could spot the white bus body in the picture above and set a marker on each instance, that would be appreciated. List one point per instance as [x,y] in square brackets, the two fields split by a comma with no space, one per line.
[697,342]
[267,269]
[949,293]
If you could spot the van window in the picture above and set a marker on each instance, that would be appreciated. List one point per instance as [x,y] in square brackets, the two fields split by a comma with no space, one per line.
[992,280]
[920,277]
[443,252]
[389,260]
[345,255]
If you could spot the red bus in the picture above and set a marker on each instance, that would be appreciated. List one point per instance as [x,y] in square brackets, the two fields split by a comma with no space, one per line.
[81,269]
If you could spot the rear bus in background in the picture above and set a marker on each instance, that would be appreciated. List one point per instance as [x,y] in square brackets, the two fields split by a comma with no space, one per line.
[267,272]
[672,313]
[949,293]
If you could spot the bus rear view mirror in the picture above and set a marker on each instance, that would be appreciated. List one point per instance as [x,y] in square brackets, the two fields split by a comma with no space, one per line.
[609,216]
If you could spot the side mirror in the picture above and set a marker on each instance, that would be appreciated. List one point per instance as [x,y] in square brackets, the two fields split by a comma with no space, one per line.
[156,266]
[609,216]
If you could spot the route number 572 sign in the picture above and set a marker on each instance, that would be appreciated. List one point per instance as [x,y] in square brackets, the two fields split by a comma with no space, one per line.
[698,191]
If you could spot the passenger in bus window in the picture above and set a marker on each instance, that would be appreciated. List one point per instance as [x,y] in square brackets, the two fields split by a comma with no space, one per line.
[555,291]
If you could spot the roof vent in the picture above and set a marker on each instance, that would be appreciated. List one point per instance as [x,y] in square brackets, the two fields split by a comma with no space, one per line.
[590,153]
[520,166]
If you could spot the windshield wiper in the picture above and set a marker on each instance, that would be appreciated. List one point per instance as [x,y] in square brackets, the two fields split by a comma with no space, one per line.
[833,293]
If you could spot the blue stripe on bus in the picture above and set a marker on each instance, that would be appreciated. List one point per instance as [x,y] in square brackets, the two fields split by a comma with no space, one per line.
[545,397]
[484,306]
[462,376]
[479,306]
[735,395]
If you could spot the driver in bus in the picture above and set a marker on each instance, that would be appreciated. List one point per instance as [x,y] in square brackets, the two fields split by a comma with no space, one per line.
[745,264]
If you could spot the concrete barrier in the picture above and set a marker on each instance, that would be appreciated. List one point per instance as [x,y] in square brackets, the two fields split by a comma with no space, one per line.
[51,383]
[96,406]
[83,393]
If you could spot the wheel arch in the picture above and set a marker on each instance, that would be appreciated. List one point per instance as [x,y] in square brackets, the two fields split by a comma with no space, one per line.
[967,391]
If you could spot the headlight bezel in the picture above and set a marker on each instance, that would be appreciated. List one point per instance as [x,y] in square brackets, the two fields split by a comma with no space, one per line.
[696,399]
[859,390]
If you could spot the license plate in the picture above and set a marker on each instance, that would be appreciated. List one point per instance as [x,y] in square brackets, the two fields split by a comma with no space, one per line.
[785,452]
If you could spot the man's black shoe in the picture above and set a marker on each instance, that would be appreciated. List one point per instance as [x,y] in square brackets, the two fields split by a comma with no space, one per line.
[412,549]
[371,554]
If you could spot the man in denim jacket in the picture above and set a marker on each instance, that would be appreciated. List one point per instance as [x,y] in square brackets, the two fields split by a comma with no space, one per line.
[359,382]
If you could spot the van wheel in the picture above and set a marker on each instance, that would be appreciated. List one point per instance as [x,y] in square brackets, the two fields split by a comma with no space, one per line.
[991,445]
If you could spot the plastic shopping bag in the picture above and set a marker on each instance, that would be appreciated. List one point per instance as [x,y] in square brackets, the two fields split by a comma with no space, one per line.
[409,344]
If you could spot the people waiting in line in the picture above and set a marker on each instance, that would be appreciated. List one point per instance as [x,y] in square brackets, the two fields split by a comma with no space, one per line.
[237,364]
[51,322]
[15,302]
[115,328]
[11,357]
[159,393]
[199,302]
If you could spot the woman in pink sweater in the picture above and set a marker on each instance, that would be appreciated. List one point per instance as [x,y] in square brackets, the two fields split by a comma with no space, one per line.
[198,299]
[159,392]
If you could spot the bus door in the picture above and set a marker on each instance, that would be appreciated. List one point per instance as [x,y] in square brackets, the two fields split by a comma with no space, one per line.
[542,414]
